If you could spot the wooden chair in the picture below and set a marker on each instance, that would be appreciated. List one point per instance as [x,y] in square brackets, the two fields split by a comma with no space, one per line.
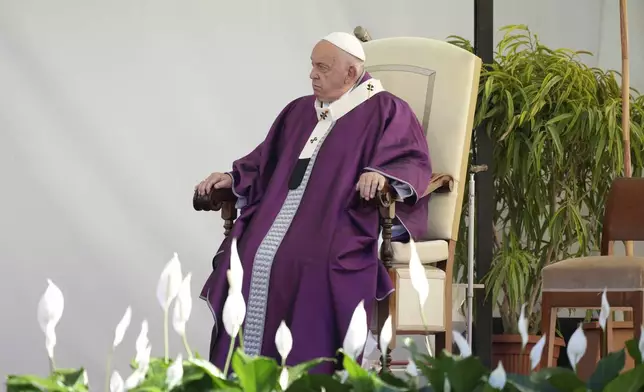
[579,282]
[435,78]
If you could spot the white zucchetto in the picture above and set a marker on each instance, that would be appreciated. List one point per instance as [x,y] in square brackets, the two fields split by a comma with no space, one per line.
[347,42]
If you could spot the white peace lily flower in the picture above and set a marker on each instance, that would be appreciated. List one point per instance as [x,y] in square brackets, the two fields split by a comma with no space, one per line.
[356,337]
[284,379]
[536,352]
[576,347]
[136,378]
[142,341]
[640,344]
[182,306]
[411,368]
[462,345]
[122,327]
[169,282]
[283,341]
[116,383]
[370,346]
[418,276]
[236,274]
[85,378]
[408,342]
[385,337]
[498,377]
[522,325]
[234,313]
[174,374]
[50,310]
[604,312]
[447,387]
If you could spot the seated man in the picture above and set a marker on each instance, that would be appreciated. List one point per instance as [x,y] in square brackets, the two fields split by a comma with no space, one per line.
[307,245]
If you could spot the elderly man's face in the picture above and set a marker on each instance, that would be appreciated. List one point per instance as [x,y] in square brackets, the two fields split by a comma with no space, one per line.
[331,74]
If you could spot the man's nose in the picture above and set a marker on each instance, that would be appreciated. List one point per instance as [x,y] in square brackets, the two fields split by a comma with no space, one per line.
[313,74]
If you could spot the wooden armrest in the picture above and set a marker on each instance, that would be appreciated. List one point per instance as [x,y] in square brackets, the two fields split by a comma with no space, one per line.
[214,200]
[440,183]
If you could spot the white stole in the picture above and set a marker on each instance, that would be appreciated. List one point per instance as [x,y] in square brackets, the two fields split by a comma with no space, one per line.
[327,116]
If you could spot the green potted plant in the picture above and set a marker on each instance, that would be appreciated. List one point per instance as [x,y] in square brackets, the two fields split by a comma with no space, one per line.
[555,124]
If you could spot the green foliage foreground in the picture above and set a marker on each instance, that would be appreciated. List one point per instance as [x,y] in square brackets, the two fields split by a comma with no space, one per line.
[445,373]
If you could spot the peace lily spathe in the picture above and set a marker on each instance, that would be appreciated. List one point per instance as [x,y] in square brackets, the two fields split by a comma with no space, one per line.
[142,343]
[50,310]
[122,327]
[462,345]
[169,282]
[283,341]
[234,312]
[522,326]
[182,306]
[604,311]
[284,379]
[576,347]
[418,276]
[116,383]
[174,374]
[386,334]
[236,271]
[498,378]
[537,352]
[369,347]
[356,337]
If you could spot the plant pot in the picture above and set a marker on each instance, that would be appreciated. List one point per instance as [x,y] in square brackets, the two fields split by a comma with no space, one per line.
[507,349]
[622,332]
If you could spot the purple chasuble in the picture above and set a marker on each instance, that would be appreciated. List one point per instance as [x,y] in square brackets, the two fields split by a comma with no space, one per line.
[327,261]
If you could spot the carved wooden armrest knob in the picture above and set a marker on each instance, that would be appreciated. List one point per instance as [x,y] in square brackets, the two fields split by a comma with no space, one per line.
[214,200]
[440,183]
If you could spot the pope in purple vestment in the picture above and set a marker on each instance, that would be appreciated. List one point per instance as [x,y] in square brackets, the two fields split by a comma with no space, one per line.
[308,247]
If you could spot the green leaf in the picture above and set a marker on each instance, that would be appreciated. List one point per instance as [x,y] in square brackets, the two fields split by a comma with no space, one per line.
[607,370]
[354,370]
[70,377]
[33,383]
[298,370]
[258,374]
[315,382]
[632,346]
[629,381]
[466,374]
[560,378]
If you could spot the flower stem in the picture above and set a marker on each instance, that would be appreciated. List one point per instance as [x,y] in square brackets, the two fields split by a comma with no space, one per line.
[241,339]
[108,369]
[230,355]
[166,340]
[422,317]
[52,365]
[185,344]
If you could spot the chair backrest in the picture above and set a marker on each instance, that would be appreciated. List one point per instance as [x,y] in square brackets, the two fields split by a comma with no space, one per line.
[624,215]
[440,82]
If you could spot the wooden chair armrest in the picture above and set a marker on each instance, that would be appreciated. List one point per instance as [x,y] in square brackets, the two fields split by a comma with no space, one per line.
[218,199]
[214,200]
[440,183]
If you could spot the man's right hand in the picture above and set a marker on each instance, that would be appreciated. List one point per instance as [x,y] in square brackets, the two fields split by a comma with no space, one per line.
[216,181]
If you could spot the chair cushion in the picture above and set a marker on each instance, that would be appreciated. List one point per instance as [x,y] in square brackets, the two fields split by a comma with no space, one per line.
[429,252]
[594,273]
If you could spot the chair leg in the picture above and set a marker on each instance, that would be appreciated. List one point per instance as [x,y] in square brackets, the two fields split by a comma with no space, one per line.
[638,314]
[548,328]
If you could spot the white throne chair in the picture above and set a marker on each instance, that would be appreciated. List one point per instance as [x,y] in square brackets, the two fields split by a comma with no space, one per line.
[440,82]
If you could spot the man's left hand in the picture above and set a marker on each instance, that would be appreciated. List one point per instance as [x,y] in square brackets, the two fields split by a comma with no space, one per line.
[369,183]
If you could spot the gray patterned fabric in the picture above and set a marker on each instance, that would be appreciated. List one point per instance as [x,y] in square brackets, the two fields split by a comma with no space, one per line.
[261,273]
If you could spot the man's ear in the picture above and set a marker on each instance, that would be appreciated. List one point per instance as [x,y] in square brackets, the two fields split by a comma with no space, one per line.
[352,74]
